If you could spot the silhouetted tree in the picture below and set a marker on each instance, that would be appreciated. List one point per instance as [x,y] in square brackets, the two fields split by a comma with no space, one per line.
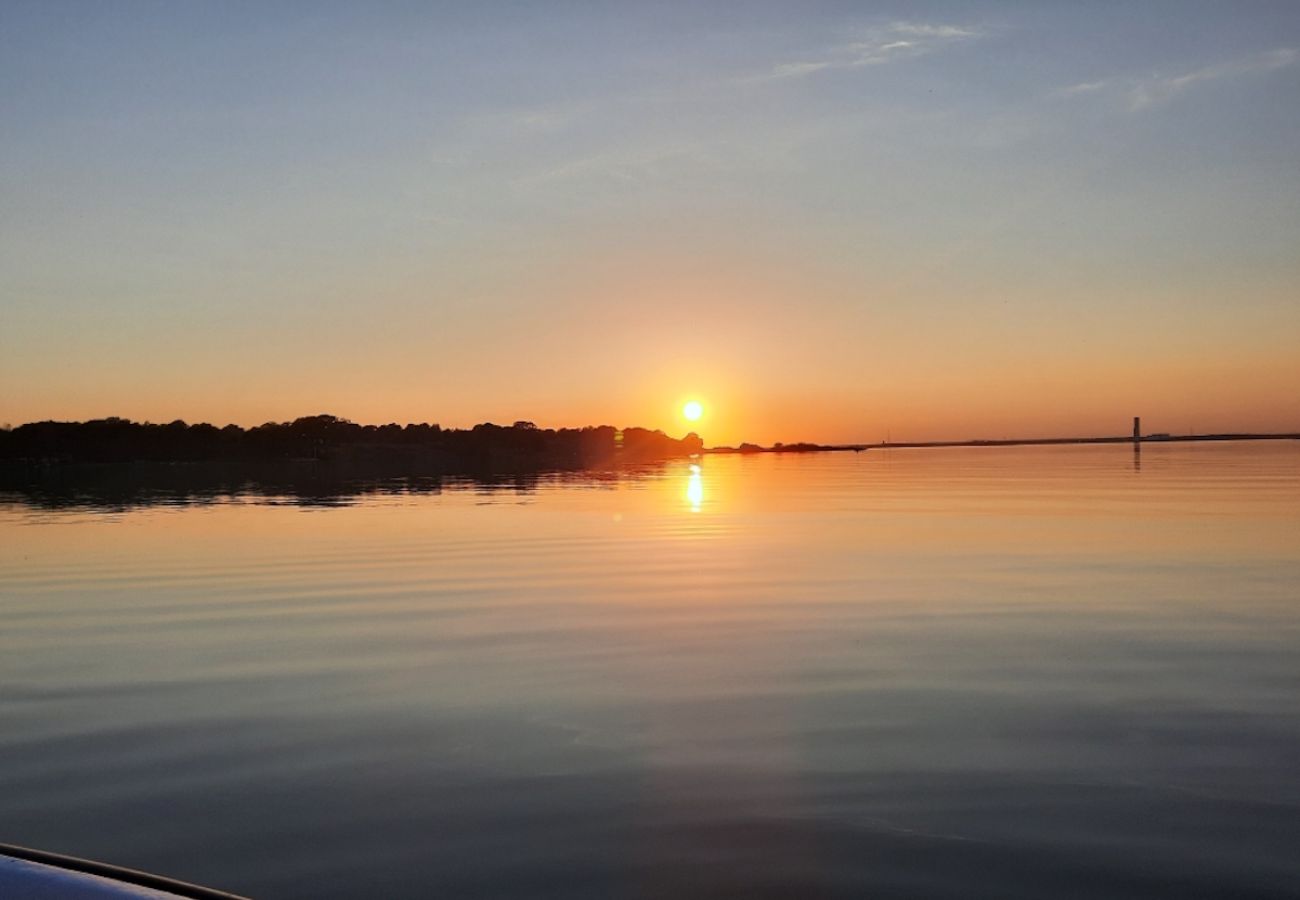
[521,446]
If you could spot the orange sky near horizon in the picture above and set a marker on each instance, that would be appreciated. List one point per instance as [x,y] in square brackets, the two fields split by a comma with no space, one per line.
[898,406]
[767,364]
[847,227]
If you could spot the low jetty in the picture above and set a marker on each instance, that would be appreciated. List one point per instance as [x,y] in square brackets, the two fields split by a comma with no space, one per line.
[805,447]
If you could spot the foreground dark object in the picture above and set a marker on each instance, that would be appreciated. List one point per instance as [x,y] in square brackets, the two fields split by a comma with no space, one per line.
[38,875]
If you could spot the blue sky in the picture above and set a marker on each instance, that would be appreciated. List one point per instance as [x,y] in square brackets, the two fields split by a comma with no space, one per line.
[568,211]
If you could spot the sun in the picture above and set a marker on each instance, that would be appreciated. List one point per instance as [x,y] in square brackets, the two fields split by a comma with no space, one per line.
[693,410]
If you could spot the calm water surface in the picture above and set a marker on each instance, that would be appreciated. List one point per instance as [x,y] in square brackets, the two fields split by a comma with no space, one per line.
[1039,672]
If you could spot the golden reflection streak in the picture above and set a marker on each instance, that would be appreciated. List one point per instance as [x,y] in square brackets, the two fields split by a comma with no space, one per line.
[695,488]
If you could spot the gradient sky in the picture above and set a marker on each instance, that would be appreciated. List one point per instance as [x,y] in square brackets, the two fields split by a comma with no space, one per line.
[827,221]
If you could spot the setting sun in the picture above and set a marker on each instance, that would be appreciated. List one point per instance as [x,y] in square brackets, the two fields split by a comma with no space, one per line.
[681,409]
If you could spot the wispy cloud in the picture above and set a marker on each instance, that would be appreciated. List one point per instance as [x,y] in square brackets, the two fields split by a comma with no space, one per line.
[1157,90]
[1086,87]
[1141,93]
[877,46]
[946,32]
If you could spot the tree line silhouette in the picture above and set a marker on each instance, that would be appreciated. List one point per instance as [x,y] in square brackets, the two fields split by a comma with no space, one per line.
[326,438]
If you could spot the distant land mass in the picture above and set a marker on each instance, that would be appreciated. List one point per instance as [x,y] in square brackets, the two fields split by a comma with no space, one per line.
[424,448]
[1159,438]
[325,460]
[521,446]
[318,460]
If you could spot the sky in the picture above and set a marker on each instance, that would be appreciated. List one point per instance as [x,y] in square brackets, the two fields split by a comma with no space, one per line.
[824,221]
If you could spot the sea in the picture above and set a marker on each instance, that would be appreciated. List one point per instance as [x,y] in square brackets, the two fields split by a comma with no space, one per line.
[1002,672]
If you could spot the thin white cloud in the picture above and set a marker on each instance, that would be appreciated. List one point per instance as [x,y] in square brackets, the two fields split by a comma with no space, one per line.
[1157,90]
[898,40]
[1141,93]
[934,31]
[1087,87]
[796,70]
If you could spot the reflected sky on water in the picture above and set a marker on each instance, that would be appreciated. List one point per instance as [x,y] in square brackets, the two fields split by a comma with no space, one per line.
[931,673]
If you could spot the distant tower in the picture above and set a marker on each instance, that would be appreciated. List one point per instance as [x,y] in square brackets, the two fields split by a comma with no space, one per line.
[1137,429]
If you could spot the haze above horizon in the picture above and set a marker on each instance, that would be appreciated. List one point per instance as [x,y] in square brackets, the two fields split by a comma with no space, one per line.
[826,223]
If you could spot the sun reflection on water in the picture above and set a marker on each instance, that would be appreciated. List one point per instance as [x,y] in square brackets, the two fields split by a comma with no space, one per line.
[695,489]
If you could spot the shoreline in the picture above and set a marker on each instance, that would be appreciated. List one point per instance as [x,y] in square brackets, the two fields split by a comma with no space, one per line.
[747,449]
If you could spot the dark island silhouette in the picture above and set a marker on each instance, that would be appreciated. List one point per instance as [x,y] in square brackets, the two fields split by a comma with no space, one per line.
[326,438]
[485,448]
[325,460]
[318,460]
